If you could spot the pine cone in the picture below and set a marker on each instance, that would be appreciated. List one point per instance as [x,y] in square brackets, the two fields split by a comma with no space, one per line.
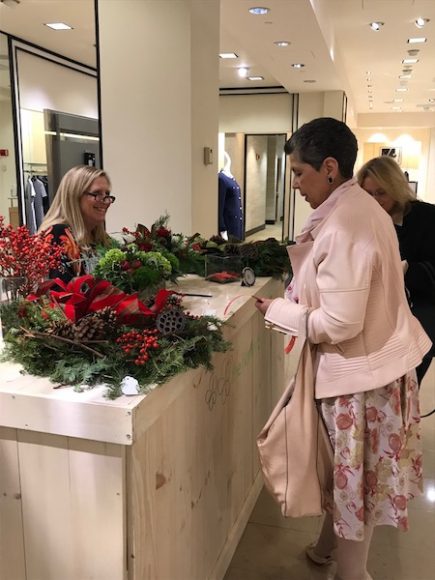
[90,327]
[63,328]
[108,316]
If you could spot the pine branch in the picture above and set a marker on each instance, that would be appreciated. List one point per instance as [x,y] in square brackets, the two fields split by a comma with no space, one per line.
[45,335]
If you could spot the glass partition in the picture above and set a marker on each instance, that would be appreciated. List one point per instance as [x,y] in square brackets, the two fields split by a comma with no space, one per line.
[55,102]
[8,174]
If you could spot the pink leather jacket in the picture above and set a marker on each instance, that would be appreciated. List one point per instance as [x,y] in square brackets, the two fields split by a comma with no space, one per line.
[352,301]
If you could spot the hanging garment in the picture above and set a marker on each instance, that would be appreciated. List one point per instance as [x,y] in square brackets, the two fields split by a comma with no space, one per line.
[38,200]
[230,206]
[29,197]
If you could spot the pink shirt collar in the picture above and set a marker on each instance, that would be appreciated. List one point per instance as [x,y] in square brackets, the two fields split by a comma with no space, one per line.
[323,211]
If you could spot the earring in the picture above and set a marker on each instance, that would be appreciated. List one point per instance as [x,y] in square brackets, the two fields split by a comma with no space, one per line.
[330,179]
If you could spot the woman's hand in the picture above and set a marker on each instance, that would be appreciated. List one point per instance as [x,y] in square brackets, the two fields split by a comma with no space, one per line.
[262,304]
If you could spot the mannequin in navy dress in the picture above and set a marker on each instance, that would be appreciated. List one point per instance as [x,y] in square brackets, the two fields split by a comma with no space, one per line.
[230,203]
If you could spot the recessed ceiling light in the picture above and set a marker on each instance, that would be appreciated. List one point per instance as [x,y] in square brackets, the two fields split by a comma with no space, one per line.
[257,78]
[401,90]
[376,25]
[409,60]
[431,100]
[398,100]
[396,108]
[228,55]
[370,105]
[59,26]
[310,81]
[281,43]
[413,51]
[242,71]
[417,40]
[406,76]
[420,22]
[259,10]
[298,65]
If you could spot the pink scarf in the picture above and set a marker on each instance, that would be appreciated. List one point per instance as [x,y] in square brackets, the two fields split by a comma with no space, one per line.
[314,219]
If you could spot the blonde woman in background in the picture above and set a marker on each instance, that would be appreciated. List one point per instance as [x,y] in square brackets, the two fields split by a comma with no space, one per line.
[76,218]
[414,222]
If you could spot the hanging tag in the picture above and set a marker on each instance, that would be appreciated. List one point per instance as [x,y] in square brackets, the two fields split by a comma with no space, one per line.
[129,386]
[290,345]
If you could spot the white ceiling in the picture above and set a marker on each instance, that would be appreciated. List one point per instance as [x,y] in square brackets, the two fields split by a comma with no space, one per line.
[331,37]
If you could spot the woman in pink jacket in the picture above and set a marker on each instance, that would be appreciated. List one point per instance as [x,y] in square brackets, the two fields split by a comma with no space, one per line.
[347,297]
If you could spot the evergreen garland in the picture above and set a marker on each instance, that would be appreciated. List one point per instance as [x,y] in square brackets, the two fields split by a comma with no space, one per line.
[85,363]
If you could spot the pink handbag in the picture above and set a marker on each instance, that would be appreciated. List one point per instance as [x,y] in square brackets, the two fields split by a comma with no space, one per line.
[295,450]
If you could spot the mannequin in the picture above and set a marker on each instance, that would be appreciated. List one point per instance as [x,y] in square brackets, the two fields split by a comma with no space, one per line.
[230,203]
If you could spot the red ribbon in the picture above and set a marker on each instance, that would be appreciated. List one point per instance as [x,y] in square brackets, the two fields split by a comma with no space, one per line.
[86,294]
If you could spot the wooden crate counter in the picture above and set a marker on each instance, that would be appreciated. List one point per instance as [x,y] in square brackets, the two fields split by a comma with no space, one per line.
[149,487]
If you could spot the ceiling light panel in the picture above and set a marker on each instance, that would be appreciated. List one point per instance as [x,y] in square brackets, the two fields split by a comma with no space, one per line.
[259,10]
[298,65]
[228,55]
[282,43]
[417,40]
[256,78]
[59,26]
[409,60]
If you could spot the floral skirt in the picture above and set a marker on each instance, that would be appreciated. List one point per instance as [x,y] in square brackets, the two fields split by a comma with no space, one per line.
[377,457]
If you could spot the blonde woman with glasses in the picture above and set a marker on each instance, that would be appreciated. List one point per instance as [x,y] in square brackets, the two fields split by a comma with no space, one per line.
[77,216]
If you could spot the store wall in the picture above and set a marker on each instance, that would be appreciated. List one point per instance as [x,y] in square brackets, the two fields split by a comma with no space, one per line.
[430,176]
[8,181]
[156,121]
[414,144]
[311,106]
[255,113]
[47,85]
[256,176]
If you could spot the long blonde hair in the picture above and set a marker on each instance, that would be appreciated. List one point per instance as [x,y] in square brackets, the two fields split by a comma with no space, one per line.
[65,208]
[390,178]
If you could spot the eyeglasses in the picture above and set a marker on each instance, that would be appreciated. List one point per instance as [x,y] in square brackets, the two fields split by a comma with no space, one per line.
[104,197]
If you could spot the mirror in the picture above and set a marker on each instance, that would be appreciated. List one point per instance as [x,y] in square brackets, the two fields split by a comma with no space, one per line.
[56,104]
[258,164]
[49,110]
[8,176]
[264,186]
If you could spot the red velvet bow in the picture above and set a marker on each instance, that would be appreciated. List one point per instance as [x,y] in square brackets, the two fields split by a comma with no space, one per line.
[85,294]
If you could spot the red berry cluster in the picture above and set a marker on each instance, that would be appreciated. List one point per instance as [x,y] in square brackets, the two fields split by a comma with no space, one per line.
[137,344]
[27,255]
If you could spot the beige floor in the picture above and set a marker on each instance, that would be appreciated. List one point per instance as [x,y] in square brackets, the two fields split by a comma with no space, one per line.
[271,231]
[272,548]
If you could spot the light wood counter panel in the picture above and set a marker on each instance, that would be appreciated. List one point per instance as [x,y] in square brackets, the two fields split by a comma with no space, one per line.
[150,487]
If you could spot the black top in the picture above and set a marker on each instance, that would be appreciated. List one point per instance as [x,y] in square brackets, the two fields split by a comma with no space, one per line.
[417,246]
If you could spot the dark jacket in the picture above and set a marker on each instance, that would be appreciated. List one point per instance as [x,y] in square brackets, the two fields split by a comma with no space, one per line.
[417,246]
[230,206]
